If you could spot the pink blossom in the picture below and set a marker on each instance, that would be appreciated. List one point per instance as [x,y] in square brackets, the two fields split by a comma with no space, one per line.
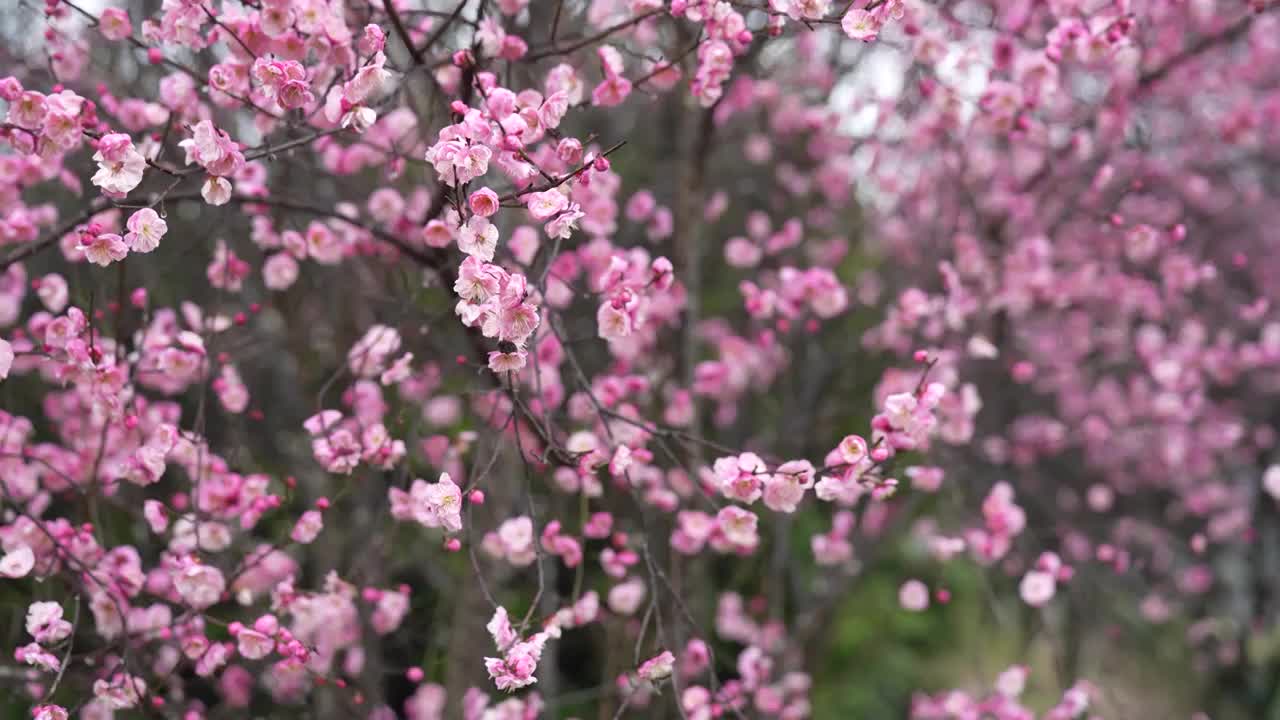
[216,190]
[860,25]
[103,249]
[742,478]
[308,527]
[27,110]
[280,272]
[520,658]
[625,597]
[33,654]
[499,627]
[254,645]
[444,500]
[913,596]
[45,623]
[49,712]
[658,667]
[53,292]
[294,94]
[213,149]
[483,202]
[738,526]
[156,515]
[562,225]
[1270,481]
[478,238]
[390,612]
[369,82]
[121,691]
[114,24]
[437,234]
[614,323]
[543,205]
[372,39]
[146,228]
[783,492]
[120,165]
[213,659]
[611,91]
[200,585]
[1037,588]
[1011,682]
[457,162]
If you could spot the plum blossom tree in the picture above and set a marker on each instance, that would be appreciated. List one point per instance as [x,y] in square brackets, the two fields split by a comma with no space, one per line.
[533,322]
[1090,250]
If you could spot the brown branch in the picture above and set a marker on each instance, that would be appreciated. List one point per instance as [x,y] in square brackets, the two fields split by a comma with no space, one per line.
[435,36]
[53,237]
[234,35]
[560,181]
[1204,44]
[555,21]
[402,32]
[590,39]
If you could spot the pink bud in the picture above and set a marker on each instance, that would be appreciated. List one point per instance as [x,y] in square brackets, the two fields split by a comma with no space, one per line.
[1023,372]
[155,56]
[453,545]
[477,497]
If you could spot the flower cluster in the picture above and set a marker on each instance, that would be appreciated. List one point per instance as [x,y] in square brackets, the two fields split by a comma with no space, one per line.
[437,504]
[1004,702]
[520,658]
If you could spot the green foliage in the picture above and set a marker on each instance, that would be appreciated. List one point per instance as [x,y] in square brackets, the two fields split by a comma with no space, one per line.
[877,653]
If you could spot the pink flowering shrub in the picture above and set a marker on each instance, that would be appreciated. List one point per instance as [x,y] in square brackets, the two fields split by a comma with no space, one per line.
[509,359]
